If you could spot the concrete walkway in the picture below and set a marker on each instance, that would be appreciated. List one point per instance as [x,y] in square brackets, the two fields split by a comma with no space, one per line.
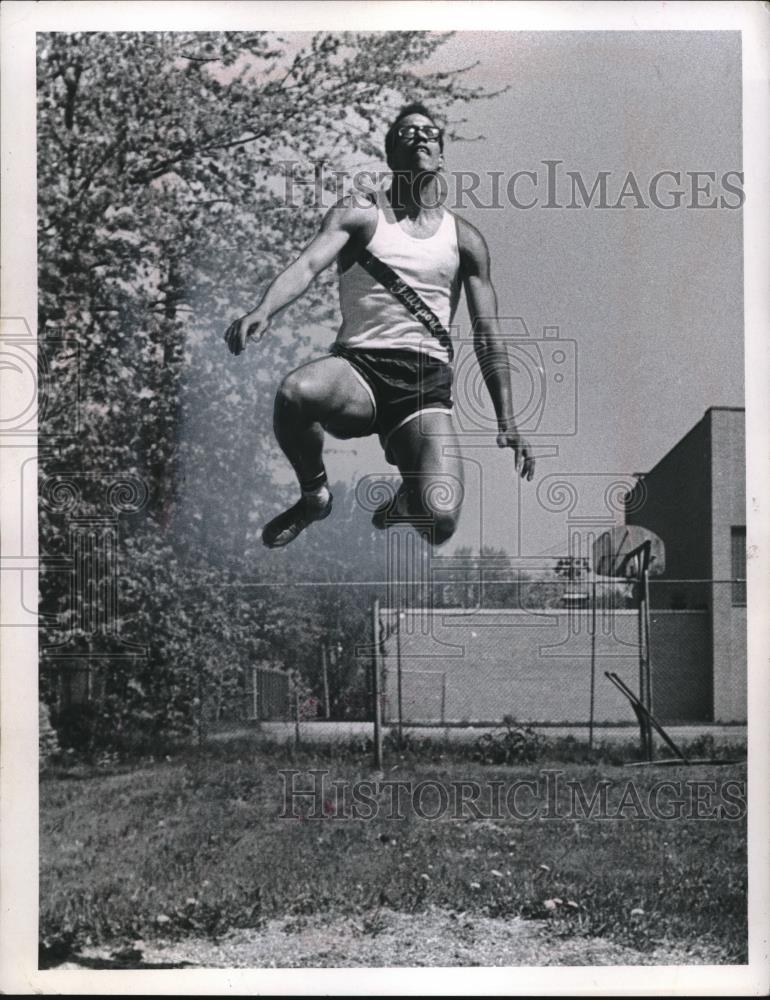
[344,732]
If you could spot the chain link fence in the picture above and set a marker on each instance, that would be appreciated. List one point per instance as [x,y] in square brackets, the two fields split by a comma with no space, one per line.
[542,660]
[546,666]
[535,652]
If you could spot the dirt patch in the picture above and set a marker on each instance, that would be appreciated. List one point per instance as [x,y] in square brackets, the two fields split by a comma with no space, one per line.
[388,938]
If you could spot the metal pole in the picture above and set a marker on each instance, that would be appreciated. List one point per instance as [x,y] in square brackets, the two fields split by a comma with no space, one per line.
[593,667]
[398,677]
[645,677]
[200,700]
[296,716]
[643,729]
[647,658]
[443,699]
[376,684]
[648,642]
[647,548]
[325,673]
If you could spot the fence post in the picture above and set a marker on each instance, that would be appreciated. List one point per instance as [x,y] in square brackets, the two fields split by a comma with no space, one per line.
[200,704]
[376,684]
[648,642]
[398,678]
[443,698]
[325,671]
[644,648]
[642,675]
[591,708]
[297,736]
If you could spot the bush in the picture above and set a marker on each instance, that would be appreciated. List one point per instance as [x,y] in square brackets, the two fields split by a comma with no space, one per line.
[48,743]
[76,727]
[515,745]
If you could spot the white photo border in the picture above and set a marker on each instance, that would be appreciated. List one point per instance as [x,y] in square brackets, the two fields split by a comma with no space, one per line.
[18,649]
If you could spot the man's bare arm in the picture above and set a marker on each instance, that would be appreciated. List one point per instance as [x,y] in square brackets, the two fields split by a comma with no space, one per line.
[489,346]
[340,223]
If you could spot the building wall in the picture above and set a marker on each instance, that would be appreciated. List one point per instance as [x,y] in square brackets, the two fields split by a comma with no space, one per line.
[680,644]
[728,509]
[479,666]
[730,670]
[676,504]
[728,485]
[693,497]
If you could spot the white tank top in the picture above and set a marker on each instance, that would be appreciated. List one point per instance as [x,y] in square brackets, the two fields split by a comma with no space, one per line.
[372,318]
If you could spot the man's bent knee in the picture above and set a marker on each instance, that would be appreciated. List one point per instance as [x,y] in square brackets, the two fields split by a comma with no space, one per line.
[437,507]
[443,527]
[296,391]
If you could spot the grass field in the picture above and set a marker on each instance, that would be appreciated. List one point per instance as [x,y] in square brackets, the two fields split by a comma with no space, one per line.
[195,850]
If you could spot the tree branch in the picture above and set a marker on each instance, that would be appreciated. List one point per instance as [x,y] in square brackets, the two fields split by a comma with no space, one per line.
[88,179]
[71,81]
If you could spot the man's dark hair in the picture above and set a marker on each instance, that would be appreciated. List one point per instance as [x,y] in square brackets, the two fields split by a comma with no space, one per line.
[415,108]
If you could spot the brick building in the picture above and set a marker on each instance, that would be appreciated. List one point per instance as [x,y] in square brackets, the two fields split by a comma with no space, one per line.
[695,500]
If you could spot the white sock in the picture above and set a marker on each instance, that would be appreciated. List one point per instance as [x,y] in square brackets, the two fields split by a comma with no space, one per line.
[320,493]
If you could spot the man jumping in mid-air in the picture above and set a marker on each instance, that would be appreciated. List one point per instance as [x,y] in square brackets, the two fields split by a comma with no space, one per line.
[402,260]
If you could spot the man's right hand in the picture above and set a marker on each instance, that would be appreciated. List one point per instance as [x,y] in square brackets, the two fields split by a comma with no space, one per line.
[340,221]
[252,325]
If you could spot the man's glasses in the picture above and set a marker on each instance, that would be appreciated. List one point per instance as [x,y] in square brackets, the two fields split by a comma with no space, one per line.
[431,132]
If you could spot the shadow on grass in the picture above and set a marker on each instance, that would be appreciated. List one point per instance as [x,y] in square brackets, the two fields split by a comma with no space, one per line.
[108,963]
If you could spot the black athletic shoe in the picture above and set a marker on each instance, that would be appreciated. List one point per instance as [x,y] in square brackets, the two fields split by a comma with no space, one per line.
[285,528]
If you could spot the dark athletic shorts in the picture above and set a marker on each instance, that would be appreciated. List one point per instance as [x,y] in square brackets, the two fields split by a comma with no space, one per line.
[402,385]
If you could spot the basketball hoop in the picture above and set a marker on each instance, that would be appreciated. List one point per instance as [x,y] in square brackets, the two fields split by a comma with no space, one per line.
[618,552]
[632,552]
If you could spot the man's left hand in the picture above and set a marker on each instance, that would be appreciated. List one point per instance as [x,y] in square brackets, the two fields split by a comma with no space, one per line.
[525,460]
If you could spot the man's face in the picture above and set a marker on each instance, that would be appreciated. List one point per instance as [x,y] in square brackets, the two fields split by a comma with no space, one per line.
[413,150]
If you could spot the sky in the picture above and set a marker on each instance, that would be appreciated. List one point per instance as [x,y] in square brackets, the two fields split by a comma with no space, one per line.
[648,302]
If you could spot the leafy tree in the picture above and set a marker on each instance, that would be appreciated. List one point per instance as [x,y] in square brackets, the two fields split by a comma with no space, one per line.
[487,580]
[162,214]
[499,587]
[458,585]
